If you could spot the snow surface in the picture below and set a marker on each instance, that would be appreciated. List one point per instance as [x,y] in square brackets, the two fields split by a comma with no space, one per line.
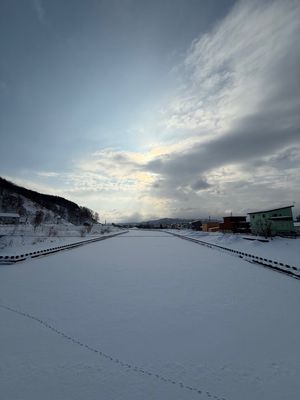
[174,309]
[286,250]
[19,239]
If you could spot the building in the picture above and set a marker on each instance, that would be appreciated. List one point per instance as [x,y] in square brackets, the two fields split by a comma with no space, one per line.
[196,225]
[235,224]
[272,222]
[9,218]
[211,226]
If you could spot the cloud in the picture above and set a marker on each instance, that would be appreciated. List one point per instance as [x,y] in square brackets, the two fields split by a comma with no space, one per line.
[200,184]
[240,99]
[48,174]
[252,138]
[114,169]
[228,72]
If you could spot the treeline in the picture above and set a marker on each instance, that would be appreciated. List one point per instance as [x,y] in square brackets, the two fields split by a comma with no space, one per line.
[64,208]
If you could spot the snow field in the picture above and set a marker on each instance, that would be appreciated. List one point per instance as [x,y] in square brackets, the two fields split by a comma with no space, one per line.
[285,250]
[22,239]
[276,265]
[167,306]
[10,259]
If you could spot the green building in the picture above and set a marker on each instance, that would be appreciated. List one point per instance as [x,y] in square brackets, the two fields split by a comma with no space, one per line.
[272,222]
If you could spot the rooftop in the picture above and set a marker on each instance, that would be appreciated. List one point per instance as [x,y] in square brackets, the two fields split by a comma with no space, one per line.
[235,216]
[274,209]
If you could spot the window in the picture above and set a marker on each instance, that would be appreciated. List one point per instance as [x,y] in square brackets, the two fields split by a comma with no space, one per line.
[264,215]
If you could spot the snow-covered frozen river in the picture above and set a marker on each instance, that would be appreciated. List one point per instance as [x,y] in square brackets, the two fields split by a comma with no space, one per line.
[157,305]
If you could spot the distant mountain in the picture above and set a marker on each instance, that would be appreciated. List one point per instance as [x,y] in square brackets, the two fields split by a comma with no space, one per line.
[167,221]
[156,223]
[53,208]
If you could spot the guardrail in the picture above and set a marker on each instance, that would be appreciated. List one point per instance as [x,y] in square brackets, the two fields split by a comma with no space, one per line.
[266,262]
[12,259]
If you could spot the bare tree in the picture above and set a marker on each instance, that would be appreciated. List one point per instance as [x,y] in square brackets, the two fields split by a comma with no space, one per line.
[38,219]
[264,227]
[96,217]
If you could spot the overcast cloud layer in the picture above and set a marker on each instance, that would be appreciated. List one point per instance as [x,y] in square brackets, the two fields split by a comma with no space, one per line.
[224,135]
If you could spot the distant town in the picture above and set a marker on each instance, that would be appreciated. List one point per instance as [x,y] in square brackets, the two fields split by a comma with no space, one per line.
[276,221]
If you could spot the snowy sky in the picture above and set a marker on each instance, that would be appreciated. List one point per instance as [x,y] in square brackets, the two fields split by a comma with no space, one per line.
[141,109]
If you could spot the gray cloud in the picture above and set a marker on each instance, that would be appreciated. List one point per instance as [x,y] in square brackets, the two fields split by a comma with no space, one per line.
[200,184]
[253,138]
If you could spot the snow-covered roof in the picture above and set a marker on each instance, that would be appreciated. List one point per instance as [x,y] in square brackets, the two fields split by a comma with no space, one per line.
[9,215]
